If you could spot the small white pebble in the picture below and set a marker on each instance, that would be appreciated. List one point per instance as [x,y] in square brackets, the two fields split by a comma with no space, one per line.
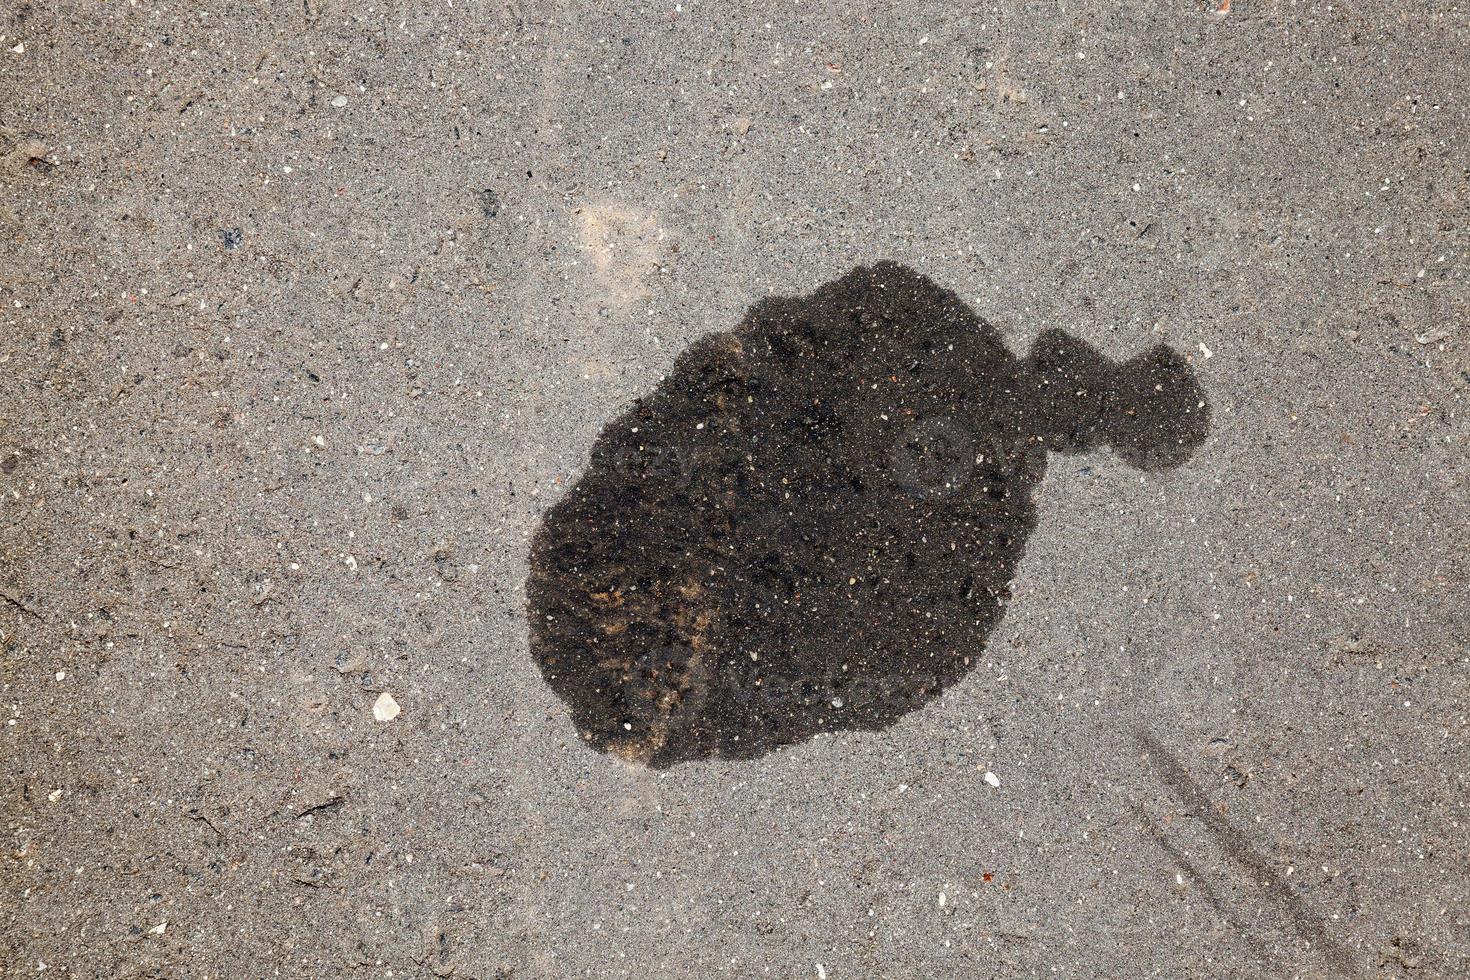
[340,102]
[991,778]
[61,675]
[385,708]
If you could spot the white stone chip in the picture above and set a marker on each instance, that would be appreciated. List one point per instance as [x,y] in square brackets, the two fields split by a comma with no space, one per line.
[385,708]
[991,778]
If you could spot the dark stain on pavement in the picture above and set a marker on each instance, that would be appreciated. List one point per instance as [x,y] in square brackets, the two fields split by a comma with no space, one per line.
[811,525]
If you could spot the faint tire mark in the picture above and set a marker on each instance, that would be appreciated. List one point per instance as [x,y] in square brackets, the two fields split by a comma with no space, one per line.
[1307,924]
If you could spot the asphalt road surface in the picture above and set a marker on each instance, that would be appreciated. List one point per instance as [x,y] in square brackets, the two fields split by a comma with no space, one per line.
[313,312]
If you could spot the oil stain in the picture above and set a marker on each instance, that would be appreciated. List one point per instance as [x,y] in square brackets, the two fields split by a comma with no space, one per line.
[811,525]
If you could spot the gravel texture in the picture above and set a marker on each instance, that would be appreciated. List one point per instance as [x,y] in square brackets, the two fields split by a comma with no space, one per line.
[312,310]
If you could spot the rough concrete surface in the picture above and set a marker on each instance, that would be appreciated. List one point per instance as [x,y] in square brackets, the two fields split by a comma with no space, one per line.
[312,310]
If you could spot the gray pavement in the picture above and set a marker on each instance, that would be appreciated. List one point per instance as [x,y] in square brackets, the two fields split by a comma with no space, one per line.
[311,310]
